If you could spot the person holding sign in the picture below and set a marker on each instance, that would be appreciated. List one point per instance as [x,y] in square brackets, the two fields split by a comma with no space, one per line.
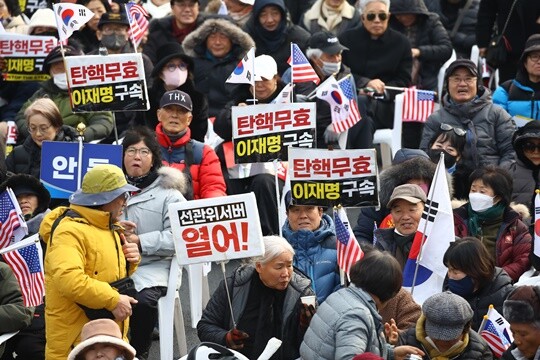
[147,224]
[265,302]
[86,252]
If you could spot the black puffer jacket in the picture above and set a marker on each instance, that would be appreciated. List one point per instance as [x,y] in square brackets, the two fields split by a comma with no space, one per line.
[465,36]
[428,35]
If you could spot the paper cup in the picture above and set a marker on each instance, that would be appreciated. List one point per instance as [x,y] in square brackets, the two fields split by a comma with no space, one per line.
[308,300]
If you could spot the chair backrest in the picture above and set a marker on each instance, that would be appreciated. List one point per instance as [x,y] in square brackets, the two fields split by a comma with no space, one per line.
[398,123]
[440,76]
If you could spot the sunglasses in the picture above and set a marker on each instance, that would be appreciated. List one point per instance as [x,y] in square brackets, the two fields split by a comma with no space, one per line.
[530,147]
[458,131]
[382,16]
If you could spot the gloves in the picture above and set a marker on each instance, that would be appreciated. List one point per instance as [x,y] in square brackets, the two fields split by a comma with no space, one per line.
[306,313]
[330,136]
[235,339]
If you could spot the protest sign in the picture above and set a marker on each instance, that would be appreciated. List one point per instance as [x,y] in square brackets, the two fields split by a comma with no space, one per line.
[29,7]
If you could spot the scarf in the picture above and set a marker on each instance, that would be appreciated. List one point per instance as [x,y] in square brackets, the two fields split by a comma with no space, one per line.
[180,34]
[434,353]
[142,181]
[174,138]
[332,15]
[477,218]
[271,40]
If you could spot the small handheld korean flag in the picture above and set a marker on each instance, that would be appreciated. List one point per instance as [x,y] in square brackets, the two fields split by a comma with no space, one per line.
[70,18]
[243,74]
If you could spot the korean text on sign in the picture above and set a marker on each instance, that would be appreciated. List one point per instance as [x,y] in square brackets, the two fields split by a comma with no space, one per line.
[23,56]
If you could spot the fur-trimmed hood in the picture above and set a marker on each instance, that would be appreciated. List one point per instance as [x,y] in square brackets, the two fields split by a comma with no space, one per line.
[171,178]
[195,43]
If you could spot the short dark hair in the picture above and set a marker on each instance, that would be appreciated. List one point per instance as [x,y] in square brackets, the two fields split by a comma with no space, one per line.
[470,256]
[458,142]
[143,133]
[497,178]
[378,273]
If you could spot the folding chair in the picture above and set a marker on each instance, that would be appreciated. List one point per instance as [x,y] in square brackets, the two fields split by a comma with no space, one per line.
[391,137]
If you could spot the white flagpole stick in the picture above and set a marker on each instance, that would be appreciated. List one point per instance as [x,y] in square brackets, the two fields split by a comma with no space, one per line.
[227,290]
[433,184]
[292,70]
[253,73]
[276,181]
[21,244]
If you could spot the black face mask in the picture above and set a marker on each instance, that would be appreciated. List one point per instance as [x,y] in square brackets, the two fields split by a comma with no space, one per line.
[435,155]
[114,41]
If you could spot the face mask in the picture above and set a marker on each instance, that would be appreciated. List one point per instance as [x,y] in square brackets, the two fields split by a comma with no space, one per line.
[330,68]
[463,287]
[480,202]
[174,79]
[114,41]
[60,80]
[435,155]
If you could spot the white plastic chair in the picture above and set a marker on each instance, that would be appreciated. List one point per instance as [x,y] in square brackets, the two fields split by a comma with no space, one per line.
[199,293]
[171,316]
[391,137]
[440,76]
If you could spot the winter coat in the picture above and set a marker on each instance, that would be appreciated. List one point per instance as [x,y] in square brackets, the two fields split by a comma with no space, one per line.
[206,176]
[14,315]
[489,129]
[16,25]
[385,241]
[287,32]
[296,8]
[98,124]
[491,293]
[465,36]
[519,96]
[345,325]
[430,37]
[83,257]
[26,158]
[211,73]
[387,58]
[149,209]
[315,255]
[513,353]
[403,309]
[15,93]
[513,242]
[216,320]
[313,20]
[160,33]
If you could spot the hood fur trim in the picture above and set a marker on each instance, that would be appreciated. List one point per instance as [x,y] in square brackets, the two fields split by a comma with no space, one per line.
[171,178]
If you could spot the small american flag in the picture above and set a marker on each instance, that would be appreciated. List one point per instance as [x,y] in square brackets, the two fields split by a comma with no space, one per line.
[138,22]
[349,90]
[26,264]
[301,71]
[495,341]
[9,219]
[417,104]
[348,249]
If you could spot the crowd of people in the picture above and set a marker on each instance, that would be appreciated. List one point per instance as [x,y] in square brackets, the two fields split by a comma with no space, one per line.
[116,229]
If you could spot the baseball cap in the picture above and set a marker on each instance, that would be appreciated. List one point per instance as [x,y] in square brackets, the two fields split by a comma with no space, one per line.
[42,17]
[532,44]
[327,42]
[409,192]
[247,2]
[101,185]
[461,63]
[446,315]
[176,97]
[56,56]
[265,67]
[113,18]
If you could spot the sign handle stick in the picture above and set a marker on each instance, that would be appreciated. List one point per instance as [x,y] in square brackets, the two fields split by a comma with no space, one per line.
[227,290]
[276,181]
[114,127]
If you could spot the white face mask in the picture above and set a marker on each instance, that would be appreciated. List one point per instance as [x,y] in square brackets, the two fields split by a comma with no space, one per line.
[174,79]
[330,68]
[480,202]
[60,80]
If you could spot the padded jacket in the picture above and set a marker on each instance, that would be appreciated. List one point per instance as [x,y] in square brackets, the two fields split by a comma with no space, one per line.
[312,20]
[518,97]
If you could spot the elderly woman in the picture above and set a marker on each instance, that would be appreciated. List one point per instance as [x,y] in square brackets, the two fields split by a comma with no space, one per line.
[147,224]
[311,233]
[217,45]
[525,170]
[174,71]
[335,16]
[489,217]
[521,96]
[468,106]
[472,274]
[444,330]
[44,123]
[265,297]
[522,310]
[98,124]
[348,322]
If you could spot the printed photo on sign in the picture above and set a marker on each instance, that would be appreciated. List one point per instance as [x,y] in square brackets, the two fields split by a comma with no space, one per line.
[216,229]
[23,56]
[107,83]
[262,133]
[334,177]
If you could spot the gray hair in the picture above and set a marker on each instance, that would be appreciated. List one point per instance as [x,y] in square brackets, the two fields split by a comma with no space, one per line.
[273,247]
[313,53]
[363,3]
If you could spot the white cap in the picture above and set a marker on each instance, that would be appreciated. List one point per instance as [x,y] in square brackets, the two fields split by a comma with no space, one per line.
[265,67]
[248,2]
[42,17]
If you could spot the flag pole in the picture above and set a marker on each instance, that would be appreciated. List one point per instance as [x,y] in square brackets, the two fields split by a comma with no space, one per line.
[292,70]
[433,183]
[276,182]
[224,271]
[253,77]
[21,244]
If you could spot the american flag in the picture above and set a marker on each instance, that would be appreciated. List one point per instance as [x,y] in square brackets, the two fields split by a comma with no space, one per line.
[301,71]
[536,246]
[496,342]
[417,104]
[138,22]
[9,219]
[348,249]
[349,90]
[26,264]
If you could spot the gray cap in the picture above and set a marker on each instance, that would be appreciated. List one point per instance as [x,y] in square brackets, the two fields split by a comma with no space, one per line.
[446,316]
[176,97]
[409,192]
[461,63]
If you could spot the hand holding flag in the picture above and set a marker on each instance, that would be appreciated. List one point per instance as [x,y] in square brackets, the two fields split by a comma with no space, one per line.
[70,17]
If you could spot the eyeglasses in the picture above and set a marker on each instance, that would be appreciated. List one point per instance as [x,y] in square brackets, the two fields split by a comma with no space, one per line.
[144,152]
[534,57]
[41,129]
[172,67]
[530,147]
[371,16]
[457,80]
[117,31]
[458,131]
